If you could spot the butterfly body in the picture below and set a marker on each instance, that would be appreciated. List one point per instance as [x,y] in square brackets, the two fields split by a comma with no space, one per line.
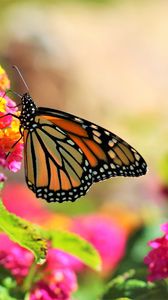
[64,154]
[28,112]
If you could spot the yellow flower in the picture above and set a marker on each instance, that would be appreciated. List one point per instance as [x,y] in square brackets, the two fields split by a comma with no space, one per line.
[2,103]
[4,80]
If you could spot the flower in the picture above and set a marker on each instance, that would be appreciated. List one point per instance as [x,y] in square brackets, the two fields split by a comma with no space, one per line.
[4,80]
[7,106]
[57,276]
[14,258]
[2,177]
[58,258]
[8,137]
[157,258]
[58,285]
[59,280]
[105,235]
[10,155]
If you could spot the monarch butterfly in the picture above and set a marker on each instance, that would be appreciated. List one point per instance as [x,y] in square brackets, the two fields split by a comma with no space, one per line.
[64,154]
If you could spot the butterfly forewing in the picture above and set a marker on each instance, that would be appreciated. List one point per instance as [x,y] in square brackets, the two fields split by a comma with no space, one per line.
[107,153]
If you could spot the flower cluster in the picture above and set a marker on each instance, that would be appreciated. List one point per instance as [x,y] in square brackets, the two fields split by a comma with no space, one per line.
[9,129]
[57,285]
[14,258]
[157,258]
[58,279]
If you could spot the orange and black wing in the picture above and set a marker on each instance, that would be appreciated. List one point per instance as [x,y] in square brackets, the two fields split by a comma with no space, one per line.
[108,154]
[55,167]
[65,154]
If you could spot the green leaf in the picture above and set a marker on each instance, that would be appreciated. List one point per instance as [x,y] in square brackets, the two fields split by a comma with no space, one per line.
[4,294]
[117,281]
[9,289]
[77,246]
[24,233]
[128,286]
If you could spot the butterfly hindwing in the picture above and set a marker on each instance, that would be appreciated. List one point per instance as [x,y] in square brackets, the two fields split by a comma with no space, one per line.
[56,168]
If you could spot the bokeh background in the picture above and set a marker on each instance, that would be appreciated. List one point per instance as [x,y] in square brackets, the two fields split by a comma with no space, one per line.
[106,61]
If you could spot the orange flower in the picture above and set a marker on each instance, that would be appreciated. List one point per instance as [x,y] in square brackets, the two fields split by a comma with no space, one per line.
[9,133]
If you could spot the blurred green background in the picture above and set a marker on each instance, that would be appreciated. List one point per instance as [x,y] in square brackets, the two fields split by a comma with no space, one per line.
[106,61]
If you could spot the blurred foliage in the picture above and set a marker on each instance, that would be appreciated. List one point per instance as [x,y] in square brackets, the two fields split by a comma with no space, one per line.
[6,3]
[163,168]
[133,286]
[81,206]
[90,287]
[9,290]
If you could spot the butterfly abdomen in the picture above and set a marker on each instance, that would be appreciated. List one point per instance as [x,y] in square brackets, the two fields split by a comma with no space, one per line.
[28,112]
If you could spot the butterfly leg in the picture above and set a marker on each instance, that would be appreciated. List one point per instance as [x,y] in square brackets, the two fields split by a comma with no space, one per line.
[9,114]
[13,146]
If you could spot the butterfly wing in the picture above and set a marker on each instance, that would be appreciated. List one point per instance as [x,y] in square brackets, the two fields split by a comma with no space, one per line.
[65,154]
[108,154]
[55,167]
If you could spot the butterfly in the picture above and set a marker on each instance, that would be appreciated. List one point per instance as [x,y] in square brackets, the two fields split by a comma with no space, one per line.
[64,154]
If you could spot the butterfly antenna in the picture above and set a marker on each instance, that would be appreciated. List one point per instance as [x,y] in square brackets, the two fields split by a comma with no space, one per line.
[21,76]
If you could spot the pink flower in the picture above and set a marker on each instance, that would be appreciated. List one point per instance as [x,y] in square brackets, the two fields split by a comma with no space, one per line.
[107,237]
[58,258]
[58,285]
[14,258]
[57,277]
[2,177]
[6,106]
[13,161]
[157,258]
